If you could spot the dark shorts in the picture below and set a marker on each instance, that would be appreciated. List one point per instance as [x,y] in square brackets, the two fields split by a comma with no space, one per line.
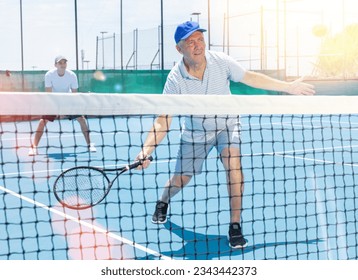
[72,117]
[50,118]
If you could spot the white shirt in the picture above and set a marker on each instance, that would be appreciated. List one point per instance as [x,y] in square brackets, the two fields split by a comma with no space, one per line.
[220,70]
[61,83]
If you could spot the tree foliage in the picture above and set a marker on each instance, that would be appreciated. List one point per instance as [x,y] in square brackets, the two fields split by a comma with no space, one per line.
[338,55]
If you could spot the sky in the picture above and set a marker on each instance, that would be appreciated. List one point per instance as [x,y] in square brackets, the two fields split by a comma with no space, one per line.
[49,30]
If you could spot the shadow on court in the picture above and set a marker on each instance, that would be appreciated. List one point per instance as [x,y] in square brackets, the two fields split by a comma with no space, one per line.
[62,156]
[197,246]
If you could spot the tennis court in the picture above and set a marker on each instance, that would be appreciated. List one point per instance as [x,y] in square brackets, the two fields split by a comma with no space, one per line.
[299,202]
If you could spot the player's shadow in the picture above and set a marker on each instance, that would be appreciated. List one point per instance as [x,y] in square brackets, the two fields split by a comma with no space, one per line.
[62,156]
[197,246]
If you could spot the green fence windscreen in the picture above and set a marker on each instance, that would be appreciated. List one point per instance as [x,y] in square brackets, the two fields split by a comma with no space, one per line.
[150,81]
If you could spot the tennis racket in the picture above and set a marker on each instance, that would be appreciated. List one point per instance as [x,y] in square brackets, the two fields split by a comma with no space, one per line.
[83,187]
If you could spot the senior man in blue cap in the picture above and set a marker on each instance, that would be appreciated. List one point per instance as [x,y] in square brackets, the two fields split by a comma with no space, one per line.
[207,72]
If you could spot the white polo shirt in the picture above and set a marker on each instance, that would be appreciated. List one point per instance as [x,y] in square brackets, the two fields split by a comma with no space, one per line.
[220,70]
[61,83]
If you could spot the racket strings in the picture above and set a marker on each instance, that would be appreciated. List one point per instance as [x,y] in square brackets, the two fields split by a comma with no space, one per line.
[82,187]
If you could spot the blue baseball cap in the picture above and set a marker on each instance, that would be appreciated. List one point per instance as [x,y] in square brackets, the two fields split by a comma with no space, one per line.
[185,29]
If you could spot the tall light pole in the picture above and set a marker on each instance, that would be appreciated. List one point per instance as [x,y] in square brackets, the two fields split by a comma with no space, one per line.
[228,26]
[121,3]
[76,34]
[277,35]
[285,32]
[22,48]
[22,38]
[250,53]
[103,32]
[162,32]
[285,36]
[209,24]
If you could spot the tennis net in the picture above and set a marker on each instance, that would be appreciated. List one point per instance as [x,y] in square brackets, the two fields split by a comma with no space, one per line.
[298,158]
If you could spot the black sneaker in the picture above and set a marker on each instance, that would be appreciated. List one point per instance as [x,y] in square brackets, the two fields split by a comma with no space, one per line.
[160,214]
[236,239]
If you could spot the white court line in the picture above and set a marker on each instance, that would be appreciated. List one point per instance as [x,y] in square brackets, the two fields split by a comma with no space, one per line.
[284,153]
[61,170]
[58,136]
[312,124]
[319,160]
[278,153]
[86,224]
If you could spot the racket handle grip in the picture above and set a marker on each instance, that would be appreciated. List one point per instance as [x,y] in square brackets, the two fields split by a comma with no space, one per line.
[139,162]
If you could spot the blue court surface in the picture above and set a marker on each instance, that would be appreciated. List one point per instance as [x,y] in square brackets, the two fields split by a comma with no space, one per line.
[300,199]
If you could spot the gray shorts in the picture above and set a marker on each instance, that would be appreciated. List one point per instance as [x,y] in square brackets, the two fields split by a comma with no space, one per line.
[191,156]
